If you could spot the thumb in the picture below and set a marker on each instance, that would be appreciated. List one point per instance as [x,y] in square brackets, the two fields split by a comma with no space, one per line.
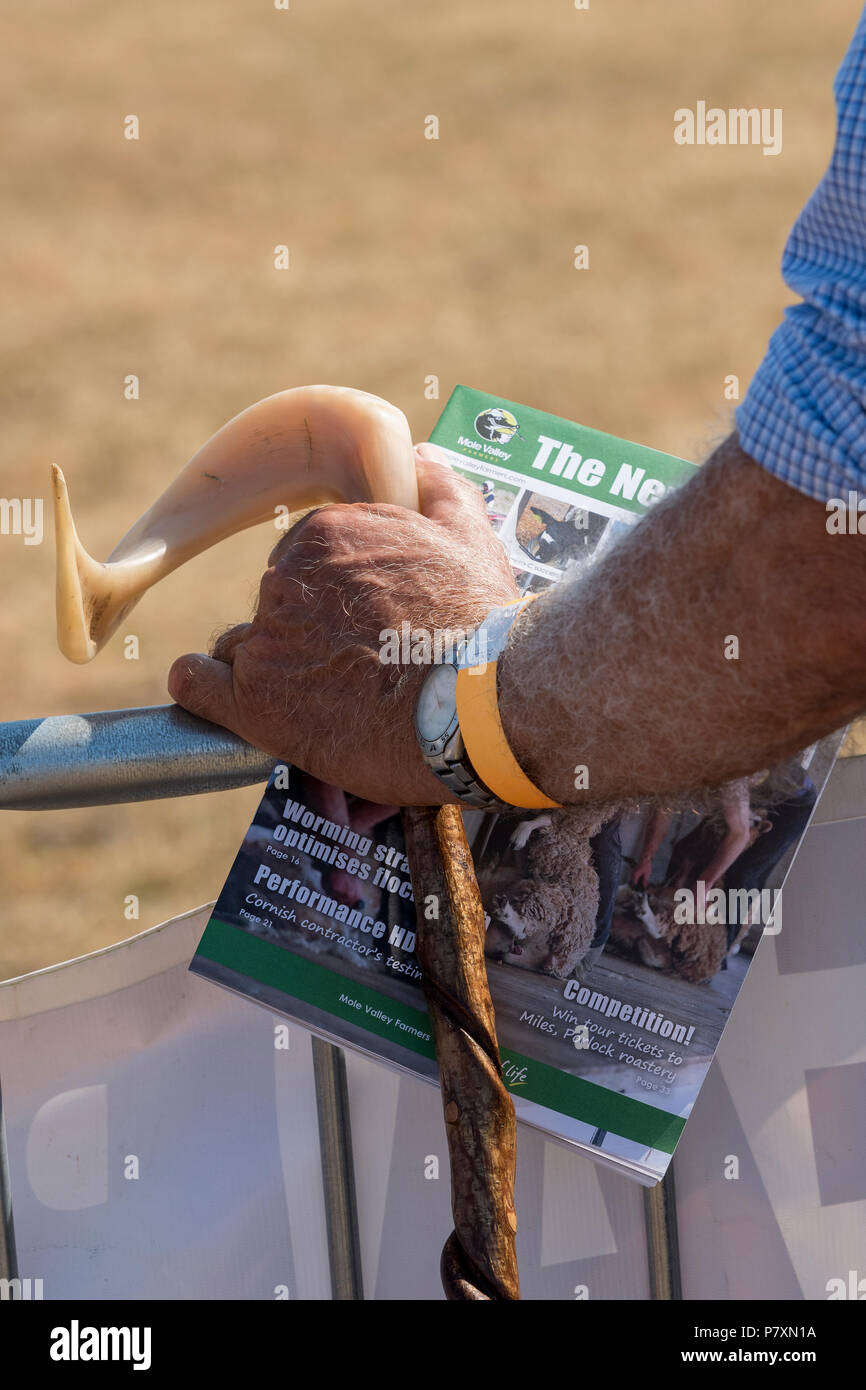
[205,687]
[443,495]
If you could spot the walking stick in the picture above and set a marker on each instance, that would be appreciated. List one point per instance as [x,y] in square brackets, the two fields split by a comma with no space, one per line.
[479,1260]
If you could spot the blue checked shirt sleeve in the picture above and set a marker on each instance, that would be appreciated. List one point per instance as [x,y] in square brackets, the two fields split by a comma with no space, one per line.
[804,415]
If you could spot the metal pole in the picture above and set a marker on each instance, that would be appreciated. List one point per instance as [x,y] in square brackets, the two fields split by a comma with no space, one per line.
[662,1243]
[145,754]
[8,1253]
[120,755]
[338,1173]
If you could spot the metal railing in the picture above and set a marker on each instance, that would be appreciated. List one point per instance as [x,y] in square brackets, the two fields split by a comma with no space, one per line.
[120,755]
[115,756]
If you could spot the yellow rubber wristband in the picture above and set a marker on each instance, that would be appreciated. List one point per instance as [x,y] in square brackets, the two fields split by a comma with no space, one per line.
[485,741]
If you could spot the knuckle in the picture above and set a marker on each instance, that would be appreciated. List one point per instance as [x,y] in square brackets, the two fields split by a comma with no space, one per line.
[319,527]
[471,491]
[369,513]
[318,537]
[471,506]
[270,589]
[225,643]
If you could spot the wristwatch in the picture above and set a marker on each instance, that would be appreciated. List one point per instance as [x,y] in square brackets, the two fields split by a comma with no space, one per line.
[437,725]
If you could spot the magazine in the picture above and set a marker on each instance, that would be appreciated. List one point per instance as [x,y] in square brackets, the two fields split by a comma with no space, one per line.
[613,963]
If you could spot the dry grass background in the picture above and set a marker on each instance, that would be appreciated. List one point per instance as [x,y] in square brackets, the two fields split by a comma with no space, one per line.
[409,257]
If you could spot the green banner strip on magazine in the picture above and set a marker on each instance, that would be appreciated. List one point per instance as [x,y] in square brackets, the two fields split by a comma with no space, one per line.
[544,450]
[594,1105]
[273,965]
[366,1008]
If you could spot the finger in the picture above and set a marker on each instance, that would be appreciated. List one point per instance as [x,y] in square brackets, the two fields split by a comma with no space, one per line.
[205,687]
[443,495]
[286,540]
[224,646]
[434,452]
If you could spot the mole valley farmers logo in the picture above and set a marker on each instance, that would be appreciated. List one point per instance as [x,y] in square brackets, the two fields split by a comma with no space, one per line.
[497,425]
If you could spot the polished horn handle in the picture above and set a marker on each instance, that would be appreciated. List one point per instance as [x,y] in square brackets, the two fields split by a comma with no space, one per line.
[298,449]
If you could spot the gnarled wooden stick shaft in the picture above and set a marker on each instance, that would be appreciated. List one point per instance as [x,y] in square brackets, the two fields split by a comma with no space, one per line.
[479,1260]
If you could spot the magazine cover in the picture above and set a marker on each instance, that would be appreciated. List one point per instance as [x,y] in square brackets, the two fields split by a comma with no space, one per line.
[614,958]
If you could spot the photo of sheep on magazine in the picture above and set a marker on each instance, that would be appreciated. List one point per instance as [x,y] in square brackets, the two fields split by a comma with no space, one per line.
[615,948]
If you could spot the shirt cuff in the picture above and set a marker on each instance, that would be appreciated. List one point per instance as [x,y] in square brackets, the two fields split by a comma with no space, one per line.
[804,415]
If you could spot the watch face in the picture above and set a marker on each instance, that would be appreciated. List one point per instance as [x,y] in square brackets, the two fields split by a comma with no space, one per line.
[437,703]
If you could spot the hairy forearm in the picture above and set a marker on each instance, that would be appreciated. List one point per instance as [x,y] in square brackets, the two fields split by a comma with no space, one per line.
[625,671]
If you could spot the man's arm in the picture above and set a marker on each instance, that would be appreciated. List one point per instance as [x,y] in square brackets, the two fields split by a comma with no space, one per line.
[736,809]
[625,672]
[622,671]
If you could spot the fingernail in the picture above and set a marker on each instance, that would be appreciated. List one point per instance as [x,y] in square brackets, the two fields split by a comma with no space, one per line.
[434,452]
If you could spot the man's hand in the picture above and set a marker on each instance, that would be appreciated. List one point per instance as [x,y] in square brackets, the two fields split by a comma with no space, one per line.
[642,871]
[304,680]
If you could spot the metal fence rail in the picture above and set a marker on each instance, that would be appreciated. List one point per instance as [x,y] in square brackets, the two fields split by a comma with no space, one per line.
[120,755]
[8,1256]
[145,754]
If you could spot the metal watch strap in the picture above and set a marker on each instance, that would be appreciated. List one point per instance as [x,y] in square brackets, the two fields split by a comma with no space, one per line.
[452,766]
